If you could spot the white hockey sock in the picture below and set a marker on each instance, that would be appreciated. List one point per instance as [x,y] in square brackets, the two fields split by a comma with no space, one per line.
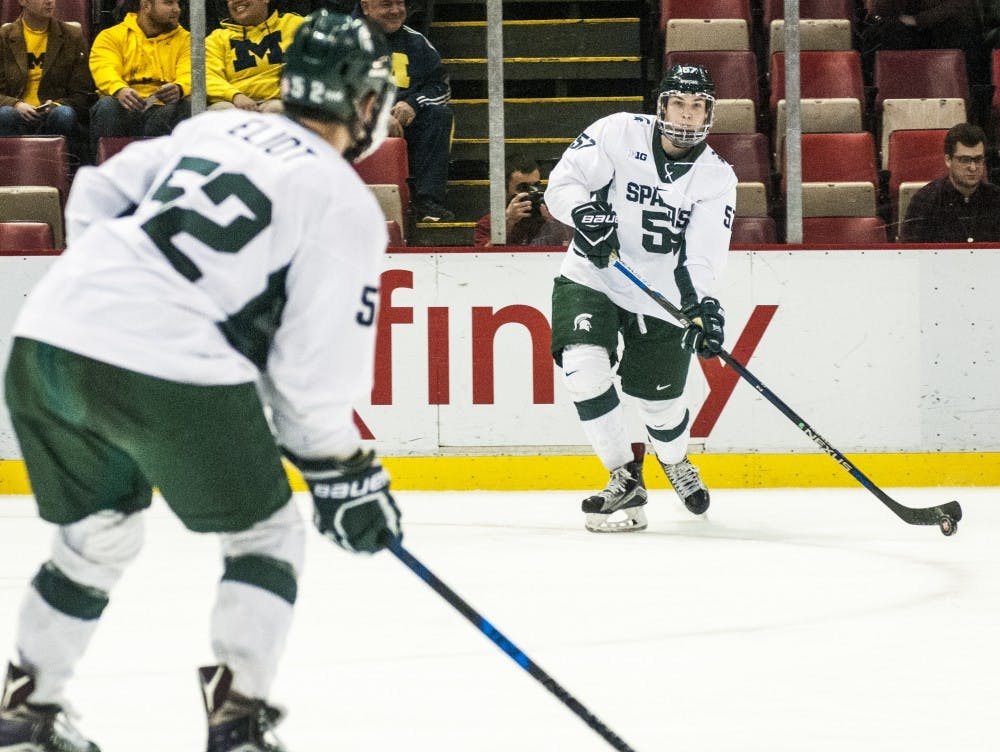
[254,604]
[62,608]
[49,645]
[249,628]
[590,382]
[669,427]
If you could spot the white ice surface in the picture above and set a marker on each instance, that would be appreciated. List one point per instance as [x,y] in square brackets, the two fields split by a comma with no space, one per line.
[798,620]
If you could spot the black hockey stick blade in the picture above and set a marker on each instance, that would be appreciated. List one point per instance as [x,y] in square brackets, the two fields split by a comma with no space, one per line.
[508,647]
[945,516]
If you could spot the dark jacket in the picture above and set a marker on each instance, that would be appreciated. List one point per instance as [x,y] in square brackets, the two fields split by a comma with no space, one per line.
[950,23]
[65,73]
[420,78]
[938,213]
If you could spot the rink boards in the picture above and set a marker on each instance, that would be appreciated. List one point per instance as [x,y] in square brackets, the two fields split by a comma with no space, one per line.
[890,353]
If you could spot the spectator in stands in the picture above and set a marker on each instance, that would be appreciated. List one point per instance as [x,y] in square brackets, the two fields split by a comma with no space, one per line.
[142,69]
[959,207]
[927,24]
[528,219]
[45,85]
[244,58]
[421,114]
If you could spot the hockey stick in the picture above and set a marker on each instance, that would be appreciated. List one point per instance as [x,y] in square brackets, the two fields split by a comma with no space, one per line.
[945,516]
[507,646]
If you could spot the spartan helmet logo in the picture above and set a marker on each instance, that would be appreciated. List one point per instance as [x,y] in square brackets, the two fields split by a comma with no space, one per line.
[582,322]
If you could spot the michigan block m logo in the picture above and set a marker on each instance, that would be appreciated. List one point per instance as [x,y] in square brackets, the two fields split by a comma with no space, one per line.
[248,53]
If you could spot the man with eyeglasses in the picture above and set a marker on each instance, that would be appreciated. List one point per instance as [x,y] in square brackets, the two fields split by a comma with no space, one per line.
[960,207]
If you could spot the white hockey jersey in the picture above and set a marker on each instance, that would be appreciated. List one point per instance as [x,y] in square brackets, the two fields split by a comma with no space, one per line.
[674,218]
[241,246]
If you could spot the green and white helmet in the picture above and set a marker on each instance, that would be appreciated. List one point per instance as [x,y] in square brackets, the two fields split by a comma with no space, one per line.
[678,81]
[332,66]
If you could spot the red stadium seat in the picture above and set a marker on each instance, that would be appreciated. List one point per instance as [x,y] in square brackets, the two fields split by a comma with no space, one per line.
[25,236]
[915,155]
[920,74]
[734,72]
[822,75]
[754,231]
[35,160]
[108,146]
[838,158]
[395,233]
[775,10]
[703,9]
[844,230]
[747,153]
[839,176]
[79,11]
[388,165]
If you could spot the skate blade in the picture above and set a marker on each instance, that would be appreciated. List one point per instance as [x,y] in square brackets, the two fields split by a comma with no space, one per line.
[630,520]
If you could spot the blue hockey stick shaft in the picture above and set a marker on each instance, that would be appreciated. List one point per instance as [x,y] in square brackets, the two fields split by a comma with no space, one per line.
[508,647]
[946,516]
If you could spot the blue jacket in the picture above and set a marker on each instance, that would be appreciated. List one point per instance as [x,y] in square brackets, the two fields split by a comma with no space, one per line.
[421,80]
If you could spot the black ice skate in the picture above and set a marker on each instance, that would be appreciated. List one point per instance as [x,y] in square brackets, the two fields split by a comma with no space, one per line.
[687,483]
[27,727]
[618,508]
[236,723]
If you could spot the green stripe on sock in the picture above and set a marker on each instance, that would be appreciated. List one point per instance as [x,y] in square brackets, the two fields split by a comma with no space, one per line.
[273,575]
[595,407]
[68,597]
[669,434]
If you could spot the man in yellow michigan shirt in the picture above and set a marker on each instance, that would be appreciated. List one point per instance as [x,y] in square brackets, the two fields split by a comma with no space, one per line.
[142,70]
[244,57]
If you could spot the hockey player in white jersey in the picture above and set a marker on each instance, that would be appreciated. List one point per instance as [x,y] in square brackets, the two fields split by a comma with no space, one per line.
[650,190]
[242,251]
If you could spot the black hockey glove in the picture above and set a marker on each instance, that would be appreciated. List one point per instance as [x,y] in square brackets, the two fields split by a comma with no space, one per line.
[351,500]
[705,336]
[596,231]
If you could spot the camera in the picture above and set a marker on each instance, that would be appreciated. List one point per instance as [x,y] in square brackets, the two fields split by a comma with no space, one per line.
[537,197]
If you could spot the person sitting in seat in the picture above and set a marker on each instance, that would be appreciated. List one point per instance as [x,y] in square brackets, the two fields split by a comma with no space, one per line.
[45,85]
[142,70]
[421,114]
[245,56]
[960,207]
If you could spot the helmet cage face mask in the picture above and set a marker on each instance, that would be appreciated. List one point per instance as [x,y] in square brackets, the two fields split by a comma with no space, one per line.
[677,134]
[368,134]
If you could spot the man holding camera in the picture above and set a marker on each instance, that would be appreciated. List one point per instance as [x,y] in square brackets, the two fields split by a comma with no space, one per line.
[528,219]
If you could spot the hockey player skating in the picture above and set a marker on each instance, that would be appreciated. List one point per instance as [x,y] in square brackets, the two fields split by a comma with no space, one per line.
[241,249]
[650,190]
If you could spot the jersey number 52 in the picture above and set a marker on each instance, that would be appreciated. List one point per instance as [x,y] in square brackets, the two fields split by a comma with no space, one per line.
[173,220]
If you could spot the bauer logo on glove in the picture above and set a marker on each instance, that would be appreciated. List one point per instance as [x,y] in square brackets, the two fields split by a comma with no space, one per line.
[352,489]
[596,233]
[352,505]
